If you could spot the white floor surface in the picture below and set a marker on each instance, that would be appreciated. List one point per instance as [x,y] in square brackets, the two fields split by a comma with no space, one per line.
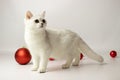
[87,70]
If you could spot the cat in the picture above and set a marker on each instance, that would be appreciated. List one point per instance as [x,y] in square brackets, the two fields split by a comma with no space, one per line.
[44,42]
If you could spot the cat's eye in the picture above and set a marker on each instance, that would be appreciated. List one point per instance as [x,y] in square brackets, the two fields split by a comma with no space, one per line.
[36,21]
[43,21]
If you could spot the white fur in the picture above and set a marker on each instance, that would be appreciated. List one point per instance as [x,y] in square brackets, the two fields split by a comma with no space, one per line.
[44,43]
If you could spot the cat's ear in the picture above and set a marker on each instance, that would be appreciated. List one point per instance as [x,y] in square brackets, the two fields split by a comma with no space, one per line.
[28,15]
[43,14]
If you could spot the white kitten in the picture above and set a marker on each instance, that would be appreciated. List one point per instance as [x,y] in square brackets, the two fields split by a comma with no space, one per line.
[43,43]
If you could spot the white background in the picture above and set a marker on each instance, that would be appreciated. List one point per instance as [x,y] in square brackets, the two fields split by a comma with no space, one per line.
[97,21]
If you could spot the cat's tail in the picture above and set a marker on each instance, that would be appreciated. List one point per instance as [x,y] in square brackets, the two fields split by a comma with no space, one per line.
[85,49]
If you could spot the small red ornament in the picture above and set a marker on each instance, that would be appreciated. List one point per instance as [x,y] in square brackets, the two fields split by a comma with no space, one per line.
[51,59]
[81,56]
[22,56]
[113,53]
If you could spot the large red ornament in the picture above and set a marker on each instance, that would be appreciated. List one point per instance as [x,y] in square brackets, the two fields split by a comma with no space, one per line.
[113,54]
[81,56]
[22,56]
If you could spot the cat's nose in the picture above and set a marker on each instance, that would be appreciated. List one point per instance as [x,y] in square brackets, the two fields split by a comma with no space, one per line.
[42,24]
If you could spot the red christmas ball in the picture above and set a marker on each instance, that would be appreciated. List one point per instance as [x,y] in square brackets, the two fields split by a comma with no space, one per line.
[81,56]
[113,53]
[22,56]
[51,59]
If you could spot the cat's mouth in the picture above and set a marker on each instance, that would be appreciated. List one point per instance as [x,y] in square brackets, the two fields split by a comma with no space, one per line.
[40,26]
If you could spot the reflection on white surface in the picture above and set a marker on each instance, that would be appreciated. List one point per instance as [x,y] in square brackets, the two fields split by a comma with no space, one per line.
[88,70]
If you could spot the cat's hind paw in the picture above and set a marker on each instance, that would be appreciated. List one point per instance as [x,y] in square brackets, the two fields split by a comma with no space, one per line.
[65,66]
[75,64]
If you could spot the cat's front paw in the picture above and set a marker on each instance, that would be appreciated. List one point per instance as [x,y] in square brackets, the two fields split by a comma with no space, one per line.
[34,68]
[65,66]
[41,70]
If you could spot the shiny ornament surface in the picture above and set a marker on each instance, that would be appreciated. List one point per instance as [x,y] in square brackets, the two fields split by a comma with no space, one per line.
[51,59]
[81,56]
[22,56]
[113,53]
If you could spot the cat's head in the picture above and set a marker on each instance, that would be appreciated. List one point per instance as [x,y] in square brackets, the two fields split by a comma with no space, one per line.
[35,22]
